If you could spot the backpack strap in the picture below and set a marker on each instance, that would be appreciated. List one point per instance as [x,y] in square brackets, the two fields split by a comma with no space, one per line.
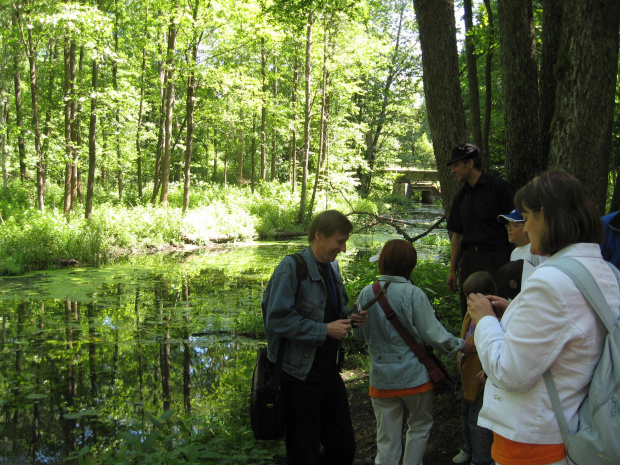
[588,286]
[586,283]
[301,273]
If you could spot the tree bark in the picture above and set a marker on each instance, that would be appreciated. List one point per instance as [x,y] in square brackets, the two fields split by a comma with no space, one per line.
[323,123]
[293,142]
[141,110]
[19,112]
[263,114]
[304,179]
[240,143]
[472,80]
[160,135]
[586,74]
[70,110]
[488,85]
[551,30]
[213,178]
[4,115]
[169,80]
[253,154]
[117,110]
[28,42]
[189,113]
[441,87]
[274,142]
[92,140]
[520,85]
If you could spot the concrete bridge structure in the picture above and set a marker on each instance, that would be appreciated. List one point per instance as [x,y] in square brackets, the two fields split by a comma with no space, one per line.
[411,179]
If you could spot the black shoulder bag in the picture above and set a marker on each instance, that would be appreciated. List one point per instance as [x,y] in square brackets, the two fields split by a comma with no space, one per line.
[266,405]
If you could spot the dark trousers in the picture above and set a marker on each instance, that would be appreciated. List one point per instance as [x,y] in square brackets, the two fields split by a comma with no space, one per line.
[472,261]
[478,440]
[317,413]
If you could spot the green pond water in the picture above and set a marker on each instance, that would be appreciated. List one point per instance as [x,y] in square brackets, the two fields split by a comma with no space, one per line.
[87,353]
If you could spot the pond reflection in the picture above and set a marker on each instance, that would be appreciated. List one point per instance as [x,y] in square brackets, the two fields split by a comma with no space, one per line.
[88,355]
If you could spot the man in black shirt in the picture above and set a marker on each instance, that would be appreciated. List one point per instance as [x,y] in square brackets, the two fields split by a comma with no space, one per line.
[479,242]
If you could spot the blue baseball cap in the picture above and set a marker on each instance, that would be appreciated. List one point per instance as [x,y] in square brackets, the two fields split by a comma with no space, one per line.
[514,216]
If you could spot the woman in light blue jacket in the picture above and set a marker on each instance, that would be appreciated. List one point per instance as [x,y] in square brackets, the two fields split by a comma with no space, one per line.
[397,378]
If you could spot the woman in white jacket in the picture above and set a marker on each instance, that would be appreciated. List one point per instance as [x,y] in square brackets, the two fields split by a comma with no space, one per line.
[548,325]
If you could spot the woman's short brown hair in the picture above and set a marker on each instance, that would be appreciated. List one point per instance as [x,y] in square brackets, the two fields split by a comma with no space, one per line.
[398,258]
[569,214]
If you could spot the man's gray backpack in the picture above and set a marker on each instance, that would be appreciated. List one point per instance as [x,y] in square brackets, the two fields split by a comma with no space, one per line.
[596,442]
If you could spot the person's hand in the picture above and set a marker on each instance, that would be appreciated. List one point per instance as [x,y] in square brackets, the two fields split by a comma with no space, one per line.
[452,284]
[358,319]
[499,303]
[481,377]
[338,329]
[479,306]
[469,348]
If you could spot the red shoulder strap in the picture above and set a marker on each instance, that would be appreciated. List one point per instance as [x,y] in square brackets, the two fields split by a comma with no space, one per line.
[417,349]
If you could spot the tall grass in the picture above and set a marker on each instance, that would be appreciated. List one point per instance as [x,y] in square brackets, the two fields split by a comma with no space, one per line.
[31,240]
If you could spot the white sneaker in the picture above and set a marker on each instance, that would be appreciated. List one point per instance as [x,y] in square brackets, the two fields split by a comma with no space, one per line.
[461,457]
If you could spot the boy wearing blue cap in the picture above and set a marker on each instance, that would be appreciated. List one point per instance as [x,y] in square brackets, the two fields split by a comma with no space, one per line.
[514,223]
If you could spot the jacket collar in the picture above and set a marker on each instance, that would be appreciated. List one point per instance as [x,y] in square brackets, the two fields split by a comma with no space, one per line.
[580,250]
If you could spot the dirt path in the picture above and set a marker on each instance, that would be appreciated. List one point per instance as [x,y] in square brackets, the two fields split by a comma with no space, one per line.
[446,434]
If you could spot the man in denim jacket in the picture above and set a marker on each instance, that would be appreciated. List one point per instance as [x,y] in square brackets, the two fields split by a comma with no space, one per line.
[314,323]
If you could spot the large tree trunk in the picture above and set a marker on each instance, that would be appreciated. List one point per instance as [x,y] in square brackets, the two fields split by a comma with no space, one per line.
[586,79]
[520,84]
[165,170]
[307,103]
[488,85]
[472,80]
[552,26]
[441,87]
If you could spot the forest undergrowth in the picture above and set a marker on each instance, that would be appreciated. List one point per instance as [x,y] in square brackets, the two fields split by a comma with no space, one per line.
[35,240]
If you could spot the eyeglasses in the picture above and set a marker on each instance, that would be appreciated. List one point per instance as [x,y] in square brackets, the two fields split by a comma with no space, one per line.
[512,225]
